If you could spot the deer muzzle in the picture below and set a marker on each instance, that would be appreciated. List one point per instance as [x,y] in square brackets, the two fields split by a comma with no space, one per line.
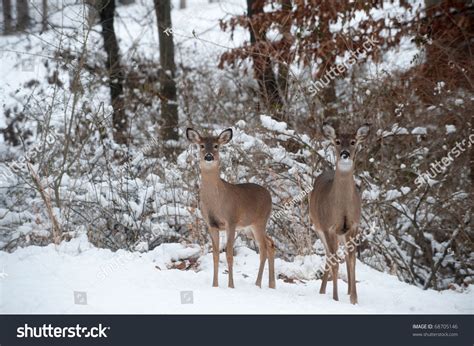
[209,157]
[345,154]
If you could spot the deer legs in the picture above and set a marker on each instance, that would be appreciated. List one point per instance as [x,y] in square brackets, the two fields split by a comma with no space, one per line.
[324,281]
[230,253]
[348,269]
[332,263]
[266,249]
[351,278]
[271,261]
[215,255]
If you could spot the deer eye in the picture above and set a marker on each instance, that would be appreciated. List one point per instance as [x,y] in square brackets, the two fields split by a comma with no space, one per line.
[353,142]
[216,146]
[202,146]
[338,142]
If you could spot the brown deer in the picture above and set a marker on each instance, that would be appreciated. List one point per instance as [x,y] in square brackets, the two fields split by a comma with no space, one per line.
[232,207]
[335,206]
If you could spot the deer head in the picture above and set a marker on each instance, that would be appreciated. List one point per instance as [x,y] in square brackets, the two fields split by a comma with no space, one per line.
[209,146]
[346,145]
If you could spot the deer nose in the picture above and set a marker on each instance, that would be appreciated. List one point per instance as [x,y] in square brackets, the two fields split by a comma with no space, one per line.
[209,157]
[345,154]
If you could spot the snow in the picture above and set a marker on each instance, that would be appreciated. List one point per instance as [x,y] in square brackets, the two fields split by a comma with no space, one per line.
[396,130]
[405,189]
[392,194]
[44,279]
[274,125]
[450,129]
[419,131]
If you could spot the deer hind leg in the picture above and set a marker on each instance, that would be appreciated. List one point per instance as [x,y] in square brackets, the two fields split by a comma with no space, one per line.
[259,236]
[230,253]
[271,261]
[353,290]
[324,280]
[215,254]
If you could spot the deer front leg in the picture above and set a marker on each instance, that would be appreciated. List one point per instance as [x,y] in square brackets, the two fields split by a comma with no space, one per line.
[348,269]
[324,280]
[332,245]
[351,248]
[352,262]
[271,262]
[215,255]
[230,253]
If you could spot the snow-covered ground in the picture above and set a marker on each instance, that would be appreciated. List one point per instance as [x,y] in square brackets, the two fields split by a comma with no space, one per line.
[44,279]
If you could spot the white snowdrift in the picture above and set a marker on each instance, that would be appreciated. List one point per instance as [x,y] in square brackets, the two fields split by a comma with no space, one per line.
[43,280]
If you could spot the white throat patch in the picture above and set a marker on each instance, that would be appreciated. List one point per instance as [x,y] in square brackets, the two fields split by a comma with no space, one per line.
[345,165]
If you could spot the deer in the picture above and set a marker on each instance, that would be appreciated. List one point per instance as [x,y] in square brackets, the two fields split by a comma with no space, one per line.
[232,207]
[335,206]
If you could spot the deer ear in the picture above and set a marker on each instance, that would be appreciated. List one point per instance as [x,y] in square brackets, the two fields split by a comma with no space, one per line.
[193,136]
[328,131]
[225,136]
[363,132]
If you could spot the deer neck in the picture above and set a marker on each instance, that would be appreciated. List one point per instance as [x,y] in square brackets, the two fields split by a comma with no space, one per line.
[211,181]
[343,187]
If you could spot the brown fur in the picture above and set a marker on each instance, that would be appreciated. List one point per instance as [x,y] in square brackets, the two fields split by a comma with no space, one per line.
[232,207]
[335,207]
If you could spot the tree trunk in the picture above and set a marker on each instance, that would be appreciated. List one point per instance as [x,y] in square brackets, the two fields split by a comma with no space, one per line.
[283,71]
[106,10]
[182,4]
[92,12]
[23,15]
[169,107]
[262,62]
[7,17]
[44,16]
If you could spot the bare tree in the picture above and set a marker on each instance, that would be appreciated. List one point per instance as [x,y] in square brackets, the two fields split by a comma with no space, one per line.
[283,72]
[182,4]
[262,62]
[106,10]
[44,15]
[7,17]
[23,15]
[169,107]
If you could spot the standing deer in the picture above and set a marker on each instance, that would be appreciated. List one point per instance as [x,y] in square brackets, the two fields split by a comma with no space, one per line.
[232,207]
[335,206]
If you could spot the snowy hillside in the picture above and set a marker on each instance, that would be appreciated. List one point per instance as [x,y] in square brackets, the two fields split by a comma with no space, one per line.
[43,280]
